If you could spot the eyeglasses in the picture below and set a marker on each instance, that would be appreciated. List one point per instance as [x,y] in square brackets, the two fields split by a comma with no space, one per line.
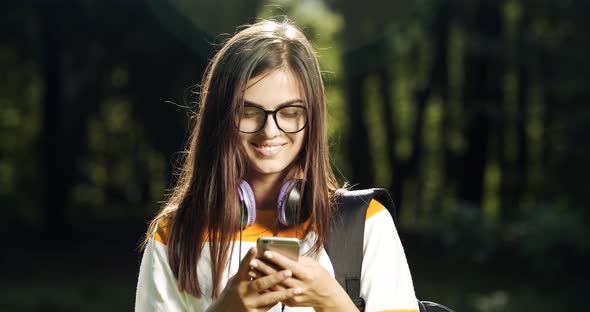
[289,118]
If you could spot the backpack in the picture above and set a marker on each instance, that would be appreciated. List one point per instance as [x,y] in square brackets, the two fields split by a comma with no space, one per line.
[345,242]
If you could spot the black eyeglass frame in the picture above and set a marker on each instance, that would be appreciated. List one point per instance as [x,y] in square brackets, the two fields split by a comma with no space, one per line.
[274,117]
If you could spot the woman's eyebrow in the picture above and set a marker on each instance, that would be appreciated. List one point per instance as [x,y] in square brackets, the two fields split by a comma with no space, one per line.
[282,104]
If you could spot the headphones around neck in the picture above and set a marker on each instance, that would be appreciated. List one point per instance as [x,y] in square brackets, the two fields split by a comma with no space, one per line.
[288,204]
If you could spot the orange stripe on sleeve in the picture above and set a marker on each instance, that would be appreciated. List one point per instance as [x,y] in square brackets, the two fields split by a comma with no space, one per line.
[374,207]
[161,234]
[250,234]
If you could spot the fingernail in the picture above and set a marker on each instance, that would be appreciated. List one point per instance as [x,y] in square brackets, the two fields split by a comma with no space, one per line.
[297,291]
[254,264]
[268,254]
[287,273]
[251,274]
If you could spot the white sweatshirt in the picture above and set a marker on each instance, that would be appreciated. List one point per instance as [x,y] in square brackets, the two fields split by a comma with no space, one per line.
[386,283]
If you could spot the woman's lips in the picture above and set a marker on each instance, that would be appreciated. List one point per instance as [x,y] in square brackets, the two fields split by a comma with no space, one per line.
[268,150]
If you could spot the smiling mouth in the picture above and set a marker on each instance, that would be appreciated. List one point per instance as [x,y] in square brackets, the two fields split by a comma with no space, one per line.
[267,150]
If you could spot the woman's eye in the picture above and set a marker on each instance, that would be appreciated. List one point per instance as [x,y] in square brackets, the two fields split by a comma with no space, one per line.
[290,113]
[249,113]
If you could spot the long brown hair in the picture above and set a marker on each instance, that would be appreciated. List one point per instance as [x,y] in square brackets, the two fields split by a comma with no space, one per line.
[203,206]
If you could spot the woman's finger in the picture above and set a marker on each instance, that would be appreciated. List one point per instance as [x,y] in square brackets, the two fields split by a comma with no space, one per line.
[268,281]
[254,274]
[284,262]
[264,267]
[270,298]
[245,264]
[287,283]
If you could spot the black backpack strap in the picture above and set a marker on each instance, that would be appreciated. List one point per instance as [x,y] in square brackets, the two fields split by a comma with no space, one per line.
[421,306]
[429,306]
[345,241]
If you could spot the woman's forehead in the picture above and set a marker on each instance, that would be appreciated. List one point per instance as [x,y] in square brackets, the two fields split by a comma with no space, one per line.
[274,88]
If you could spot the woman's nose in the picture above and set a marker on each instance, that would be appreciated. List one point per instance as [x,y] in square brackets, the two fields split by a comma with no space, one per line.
[270,127]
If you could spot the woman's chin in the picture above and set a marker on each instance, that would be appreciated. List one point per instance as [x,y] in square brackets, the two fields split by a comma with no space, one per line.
[267,171]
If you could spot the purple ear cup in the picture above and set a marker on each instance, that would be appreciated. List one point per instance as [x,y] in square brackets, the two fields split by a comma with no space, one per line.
[247,202]
[285,189]
[289,203]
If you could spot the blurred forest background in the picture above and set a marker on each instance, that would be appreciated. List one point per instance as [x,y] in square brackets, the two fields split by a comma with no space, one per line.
[473,113]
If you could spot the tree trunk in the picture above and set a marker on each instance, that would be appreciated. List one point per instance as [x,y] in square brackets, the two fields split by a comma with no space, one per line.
[358,139]
[435,85]
[482,98]
[389,125]
[54,187]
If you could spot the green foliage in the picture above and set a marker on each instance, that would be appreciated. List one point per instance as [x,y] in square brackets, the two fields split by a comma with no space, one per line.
[123,177]
[546,240]
[20,119]
[378,142]
[404,109]
[199,23]
[432,170]
[488,148]
[550,236]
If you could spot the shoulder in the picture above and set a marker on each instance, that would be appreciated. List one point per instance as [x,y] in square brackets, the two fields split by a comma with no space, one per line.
[378,220]
[376,209]
[161,231]
[368,203]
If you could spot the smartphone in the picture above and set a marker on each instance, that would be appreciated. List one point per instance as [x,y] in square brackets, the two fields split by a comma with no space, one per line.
[286,246]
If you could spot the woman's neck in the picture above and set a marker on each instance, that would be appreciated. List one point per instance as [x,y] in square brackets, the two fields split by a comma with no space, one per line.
[266,189]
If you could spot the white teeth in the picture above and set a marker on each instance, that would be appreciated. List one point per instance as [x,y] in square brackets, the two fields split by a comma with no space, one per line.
[270,148]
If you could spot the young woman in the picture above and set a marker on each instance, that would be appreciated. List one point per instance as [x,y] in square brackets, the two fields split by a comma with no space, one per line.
[261,129]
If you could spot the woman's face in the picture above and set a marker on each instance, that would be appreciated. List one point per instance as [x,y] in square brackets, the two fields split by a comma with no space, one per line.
[270,150]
